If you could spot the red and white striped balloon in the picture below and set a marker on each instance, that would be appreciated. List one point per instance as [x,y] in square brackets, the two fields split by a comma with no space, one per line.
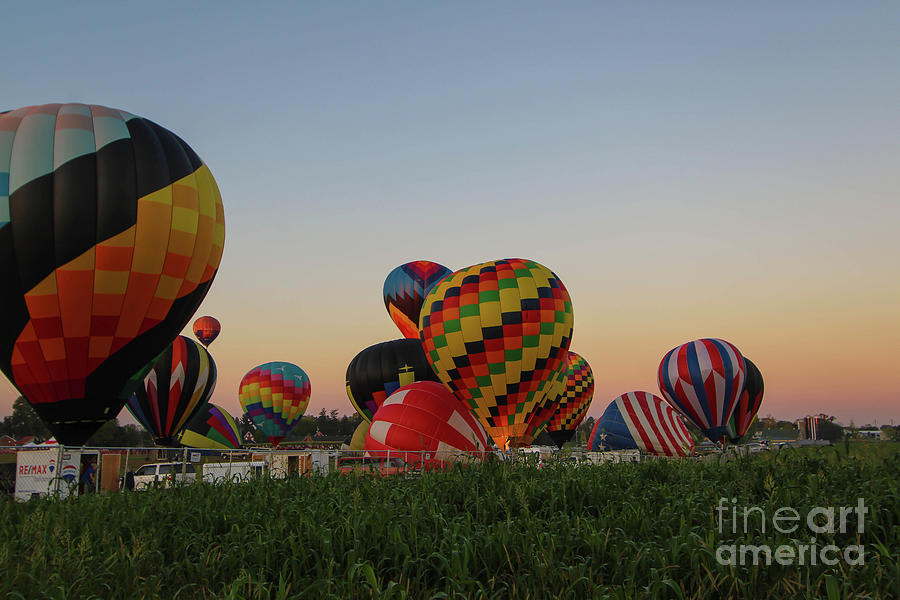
[642,420]
[424,422]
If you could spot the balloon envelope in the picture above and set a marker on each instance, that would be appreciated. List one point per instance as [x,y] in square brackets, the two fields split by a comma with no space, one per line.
[643,421]
[405,289]
[111,232]
[275,395]
[748,404]
[358,441]
[573,404]
[379,370]
[497,334]
[212,429]
[703,380]
[179,384]
[207,329]
[425,424]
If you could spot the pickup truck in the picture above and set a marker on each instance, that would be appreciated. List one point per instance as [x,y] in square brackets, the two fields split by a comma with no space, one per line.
[165,473]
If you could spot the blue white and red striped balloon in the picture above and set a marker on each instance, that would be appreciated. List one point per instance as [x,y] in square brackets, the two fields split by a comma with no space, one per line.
[703,380]
[644,421]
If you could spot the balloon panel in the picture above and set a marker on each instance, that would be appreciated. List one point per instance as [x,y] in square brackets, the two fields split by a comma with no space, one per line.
[643,421]
[497,334]
[381,369]
[178,386]
[405,289]
[703,380]
[111,232]
[207,329]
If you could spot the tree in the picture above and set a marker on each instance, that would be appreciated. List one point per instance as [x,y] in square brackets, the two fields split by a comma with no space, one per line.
[831,431]
[24,421]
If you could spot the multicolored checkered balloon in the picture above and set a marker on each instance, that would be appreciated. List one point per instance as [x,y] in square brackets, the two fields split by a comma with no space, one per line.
[275,396]
[497,334]
[573,404]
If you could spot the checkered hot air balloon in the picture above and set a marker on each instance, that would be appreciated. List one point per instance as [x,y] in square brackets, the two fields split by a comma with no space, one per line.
[206,329]
[703,380]
[275,396]
[640,420]
[405,289]
[379,370]
[179,384]
[573,403]
[426,425]
[111,232]
[748,404]
[497,334]
[212,429]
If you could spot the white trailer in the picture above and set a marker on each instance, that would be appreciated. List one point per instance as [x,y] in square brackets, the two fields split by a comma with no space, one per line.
[54,470]
[218,472]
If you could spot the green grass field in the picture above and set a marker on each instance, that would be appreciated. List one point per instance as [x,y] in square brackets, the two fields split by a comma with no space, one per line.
[493,531]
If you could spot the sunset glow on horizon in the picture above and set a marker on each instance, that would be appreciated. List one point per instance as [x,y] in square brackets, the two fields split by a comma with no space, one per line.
[686,172]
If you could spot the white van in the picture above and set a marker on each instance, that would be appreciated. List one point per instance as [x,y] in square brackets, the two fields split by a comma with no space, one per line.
[164,473]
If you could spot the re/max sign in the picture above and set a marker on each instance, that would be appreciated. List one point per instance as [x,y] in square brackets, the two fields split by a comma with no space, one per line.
[33,470]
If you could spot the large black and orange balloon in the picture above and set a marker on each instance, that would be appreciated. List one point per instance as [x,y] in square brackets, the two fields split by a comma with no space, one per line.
[111,232]
[178,386]
[207,329]
[379,370]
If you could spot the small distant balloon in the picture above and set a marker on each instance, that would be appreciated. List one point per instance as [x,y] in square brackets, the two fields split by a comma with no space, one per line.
[405,289]
[207,329]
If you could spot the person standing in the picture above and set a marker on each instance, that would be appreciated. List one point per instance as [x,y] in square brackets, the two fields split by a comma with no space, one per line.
[86,483]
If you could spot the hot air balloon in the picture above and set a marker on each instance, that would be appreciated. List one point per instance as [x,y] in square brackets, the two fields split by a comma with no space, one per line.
[207,329]
[376,372]
[497,334]
[111,232]
[274,396]
[703,380]
[358,441]
[573,404]
[212,429]
[178,385]
[641,420]
[426,425]
[748,404]
[405,289]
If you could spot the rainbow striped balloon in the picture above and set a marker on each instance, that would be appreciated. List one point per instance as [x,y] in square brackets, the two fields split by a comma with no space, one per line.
[275,396]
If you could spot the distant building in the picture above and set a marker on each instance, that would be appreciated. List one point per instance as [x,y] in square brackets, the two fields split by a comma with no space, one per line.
[7,441]
[809,428]
[869,434]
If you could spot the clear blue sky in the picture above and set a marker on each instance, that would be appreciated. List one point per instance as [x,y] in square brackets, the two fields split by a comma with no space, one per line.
[688,169]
